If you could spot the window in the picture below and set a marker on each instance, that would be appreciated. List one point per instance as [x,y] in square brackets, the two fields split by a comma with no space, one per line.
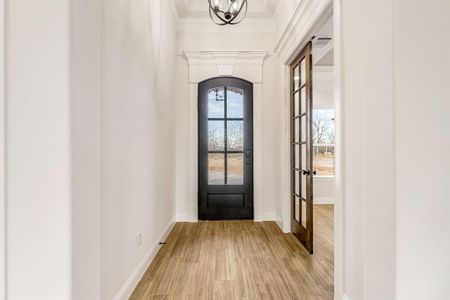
[323,141]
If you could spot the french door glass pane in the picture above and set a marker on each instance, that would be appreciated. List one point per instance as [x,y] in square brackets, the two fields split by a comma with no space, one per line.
[235,102]
[303,155]
[296,131]
[297,156]
[303,128]
[303,100]
[296,105]
[235,169]
[296,77]
[303,194]
[303,213]
[297,209]
[216,103]
[297,183]
[235,135]
[303,72]
[216,169]
[216,136]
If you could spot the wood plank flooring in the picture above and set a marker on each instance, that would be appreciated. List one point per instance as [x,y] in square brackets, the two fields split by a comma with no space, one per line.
[241,260]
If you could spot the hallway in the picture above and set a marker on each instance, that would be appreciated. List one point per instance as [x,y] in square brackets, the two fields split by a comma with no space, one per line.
[241,260]
[127,126]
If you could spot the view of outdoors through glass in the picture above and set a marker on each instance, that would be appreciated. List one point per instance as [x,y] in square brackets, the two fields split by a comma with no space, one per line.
[226,136]
[323,130]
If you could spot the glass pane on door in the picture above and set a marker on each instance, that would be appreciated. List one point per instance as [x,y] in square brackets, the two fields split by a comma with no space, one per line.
[216,136]
[297,156]
[235,102]
[303,183]
[235,135]
[235,168]
[216,169]
[303,100]
[296,78]
[216,103]
[303,72]
[226,136]
[297,209]
[303,213]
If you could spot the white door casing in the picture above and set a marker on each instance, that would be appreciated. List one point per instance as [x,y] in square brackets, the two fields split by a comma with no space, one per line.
[246,65]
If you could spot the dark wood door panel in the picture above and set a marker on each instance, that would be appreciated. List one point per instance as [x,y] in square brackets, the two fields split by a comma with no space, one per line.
[301,148]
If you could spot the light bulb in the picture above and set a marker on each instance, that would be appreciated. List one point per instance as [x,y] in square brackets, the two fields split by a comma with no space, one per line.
[235,6]
[216,4]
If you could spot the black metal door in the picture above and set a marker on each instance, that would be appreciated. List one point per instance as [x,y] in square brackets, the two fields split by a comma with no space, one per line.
[225,154]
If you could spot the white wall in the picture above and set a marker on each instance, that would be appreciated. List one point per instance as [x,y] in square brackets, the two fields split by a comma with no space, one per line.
[137,137]
[90,143]
[395,72]
[38,149]
[85,147]
[422,147]
[368,138]
[2,155]
[228,39]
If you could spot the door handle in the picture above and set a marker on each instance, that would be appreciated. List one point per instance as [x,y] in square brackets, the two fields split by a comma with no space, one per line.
[248,157]
[308,172]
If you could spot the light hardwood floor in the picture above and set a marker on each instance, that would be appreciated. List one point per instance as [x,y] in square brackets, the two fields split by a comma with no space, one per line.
[241,260]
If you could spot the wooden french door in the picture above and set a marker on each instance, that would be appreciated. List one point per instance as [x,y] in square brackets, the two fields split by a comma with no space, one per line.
[301,148]
[225,154]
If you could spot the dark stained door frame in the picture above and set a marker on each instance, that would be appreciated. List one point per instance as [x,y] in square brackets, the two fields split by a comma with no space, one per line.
[228,200]
[301,146]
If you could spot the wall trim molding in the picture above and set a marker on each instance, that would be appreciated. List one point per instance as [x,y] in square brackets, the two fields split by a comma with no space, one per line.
[130,284]
[246,65]
[207,64]
[3,240]
[182,217]
[270,217]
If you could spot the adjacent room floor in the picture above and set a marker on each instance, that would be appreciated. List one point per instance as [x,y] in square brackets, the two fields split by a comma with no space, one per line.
[241,260]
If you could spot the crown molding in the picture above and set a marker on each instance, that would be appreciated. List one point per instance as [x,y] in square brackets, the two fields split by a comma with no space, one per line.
[308,16]
[225,57]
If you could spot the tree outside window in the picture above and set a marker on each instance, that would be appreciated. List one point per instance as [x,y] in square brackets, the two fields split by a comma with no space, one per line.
[323,141]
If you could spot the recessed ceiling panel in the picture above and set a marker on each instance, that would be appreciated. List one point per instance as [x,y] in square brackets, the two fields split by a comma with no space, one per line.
[199,8]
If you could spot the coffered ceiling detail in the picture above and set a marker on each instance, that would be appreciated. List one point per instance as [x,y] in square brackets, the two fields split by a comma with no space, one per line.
[199,8]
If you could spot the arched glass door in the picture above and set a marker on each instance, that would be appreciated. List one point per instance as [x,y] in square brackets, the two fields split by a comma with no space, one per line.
[225,149]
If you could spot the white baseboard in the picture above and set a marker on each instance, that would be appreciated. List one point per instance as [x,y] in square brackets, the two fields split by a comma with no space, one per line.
[324,200]
[128,287]
[269,216]
[274,217]
[182,217]
[279,222]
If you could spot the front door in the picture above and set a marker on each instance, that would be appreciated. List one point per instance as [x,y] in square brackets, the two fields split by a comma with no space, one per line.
[301,149]
[225,126]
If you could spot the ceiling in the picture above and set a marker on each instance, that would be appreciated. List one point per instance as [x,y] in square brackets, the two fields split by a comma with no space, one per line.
[199,8]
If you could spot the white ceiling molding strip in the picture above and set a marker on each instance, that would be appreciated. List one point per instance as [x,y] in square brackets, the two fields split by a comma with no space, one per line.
[307,17]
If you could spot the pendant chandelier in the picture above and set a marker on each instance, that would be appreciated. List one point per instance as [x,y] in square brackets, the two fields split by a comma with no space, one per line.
[224,12]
